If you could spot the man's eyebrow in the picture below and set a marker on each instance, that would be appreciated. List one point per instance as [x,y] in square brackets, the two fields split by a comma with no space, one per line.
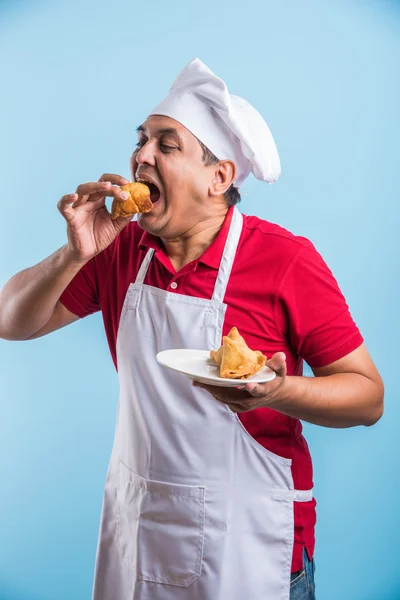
[165,131]
[169,131]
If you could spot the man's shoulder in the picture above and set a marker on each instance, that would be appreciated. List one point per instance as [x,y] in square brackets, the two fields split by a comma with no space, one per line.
[274,236]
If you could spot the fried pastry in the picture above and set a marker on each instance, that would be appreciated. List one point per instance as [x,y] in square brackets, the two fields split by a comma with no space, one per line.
[235,358]
[138,202]
[216,355]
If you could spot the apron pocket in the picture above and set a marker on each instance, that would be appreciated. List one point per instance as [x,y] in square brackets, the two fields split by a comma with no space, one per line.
[160,528]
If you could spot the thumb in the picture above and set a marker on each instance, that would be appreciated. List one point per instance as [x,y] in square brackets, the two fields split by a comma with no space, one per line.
[278,363]
[121,222]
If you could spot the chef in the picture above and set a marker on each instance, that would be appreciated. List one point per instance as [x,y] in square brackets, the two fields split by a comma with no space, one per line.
[209,492]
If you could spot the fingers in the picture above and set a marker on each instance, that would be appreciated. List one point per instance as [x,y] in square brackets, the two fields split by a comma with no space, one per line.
[65,202]
[112,191]
[103,188]
[251,395]
[238,400]
[278,364]
[257,390]
[92,192]
[223,394]
[86,189]
[115,179]
[109,184]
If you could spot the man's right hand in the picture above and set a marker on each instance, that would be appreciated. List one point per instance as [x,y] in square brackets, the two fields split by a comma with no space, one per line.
[90,228]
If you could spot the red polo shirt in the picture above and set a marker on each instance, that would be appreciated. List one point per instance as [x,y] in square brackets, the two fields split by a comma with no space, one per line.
[281,296]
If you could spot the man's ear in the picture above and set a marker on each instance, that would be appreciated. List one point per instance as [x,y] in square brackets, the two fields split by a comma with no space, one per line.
[224,176]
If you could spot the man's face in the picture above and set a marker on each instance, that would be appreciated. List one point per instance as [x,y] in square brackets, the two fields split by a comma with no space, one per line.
[170,157]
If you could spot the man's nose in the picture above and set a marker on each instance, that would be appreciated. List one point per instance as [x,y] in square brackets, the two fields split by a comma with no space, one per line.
[146,154]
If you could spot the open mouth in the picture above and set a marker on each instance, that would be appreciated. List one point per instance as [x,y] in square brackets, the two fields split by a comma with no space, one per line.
[154,191]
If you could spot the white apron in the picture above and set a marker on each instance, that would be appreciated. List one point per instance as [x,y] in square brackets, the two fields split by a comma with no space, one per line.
[194,508]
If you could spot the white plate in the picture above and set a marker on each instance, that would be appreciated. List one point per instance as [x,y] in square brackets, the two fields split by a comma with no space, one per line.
[197,365]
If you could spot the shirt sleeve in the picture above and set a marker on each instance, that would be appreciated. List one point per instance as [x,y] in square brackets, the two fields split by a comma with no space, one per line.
[312,311]
[81,295]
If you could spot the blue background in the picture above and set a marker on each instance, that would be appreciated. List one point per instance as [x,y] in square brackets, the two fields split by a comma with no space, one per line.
[76,79]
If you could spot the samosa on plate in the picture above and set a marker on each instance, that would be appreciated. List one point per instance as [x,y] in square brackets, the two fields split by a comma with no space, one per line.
[216,355]
[235,358]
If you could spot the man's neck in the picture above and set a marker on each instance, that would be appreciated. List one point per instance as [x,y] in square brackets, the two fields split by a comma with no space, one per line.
[191,245]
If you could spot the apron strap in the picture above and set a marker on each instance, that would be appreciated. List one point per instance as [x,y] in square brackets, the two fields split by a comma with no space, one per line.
[144,266]
[293,495]
[302,495]
[228,256]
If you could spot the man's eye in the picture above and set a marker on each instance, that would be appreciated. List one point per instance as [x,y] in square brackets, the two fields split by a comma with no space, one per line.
[139,144]
[165,148]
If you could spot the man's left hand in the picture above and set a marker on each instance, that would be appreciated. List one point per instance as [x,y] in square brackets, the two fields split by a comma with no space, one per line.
[248,396]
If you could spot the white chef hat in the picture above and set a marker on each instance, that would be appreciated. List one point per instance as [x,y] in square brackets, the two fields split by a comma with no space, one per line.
[228,125]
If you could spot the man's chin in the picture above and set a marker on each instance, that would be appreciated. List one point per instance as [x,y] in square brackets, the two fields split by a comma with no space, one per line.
[149,222]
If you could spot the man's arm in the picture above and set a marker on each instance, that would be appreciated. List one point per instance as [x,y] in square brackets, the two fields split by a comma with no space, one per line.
[61,317]
[346,393]
[29,301]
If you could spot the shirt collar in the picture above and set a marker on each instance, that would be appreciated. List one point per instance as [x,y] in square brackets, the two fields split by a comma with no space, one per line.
[211,256]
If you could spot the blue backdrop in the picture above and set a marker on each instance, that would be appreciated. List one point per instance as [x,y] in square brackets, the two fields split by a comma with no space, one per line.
[77,77]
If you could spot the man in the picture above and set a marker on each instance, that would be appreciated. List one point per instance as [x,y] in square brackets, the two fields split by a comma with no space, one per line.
[209,490]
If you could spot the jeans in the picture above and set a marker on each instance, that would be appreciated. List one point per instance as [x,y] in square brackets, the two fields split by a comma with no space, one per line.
[302,586]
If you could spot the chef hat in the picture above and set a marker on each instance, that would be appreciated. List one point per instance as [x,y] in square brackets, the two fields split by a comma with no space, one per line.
[228,125]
